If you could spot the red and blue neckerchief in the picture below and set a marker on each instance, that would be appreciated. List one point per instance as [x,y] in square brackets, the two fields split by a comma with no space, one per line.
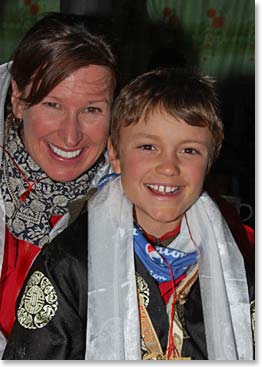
[156,258]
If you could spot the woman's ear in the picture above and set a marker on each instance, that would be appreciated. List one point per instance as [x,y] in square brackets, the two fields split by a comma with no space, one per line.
[17,104]
[113,158]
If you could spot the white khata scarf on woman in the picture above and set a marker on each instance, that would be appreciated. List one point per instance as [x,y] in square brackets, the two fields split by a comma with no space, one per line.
[113,331]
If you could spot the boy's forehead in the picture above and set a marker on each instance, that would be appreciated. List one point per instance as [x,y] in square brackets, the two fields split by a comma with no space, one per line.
[159,122]
[149,116]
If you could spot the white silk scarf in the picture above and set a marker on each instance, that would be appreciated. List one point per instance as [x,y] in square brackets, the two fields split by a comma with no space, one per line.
[113,331]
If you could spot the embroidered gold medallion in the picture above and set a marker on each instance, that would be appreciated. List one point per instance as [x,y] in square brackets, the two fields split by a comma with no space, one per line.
[39,302]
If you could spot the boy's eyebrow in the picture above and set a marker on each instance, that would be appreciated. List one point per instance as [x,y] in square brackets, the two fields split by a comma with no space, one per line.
[156,137]
[145,135]
[202,142]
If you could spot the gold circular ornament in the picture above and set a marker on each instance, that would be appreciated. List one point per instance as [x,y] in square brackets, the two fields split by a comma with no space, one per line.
[39,302]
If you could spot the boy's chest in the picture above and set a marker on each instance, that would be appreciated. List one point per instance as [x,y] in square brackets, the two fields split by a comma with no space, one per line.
[189,317]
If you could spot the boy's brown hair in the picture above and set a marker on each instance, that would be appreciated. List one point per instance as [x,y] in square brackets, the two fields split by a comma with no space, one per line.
[184,94]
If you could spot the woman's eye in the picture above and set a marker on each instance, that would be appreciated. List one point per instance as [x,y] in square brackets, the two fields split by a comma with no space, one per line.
[52,104]
[93,109]
[146,147]
[190,151]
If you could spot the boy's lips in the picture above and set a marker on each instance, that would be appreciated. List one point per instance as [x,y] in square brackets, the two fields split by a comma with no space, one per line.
[63,153]
[163,189]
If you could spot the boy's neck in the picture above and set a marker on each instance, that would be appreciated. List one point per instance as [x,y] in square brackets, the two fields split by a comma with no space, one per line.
[164,238]
[157,234]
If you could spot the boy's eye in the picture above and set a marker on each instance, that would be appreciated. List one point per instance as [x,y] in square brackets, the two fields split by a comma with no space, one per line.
[146,147]
[52,104]
[92,109]
[190,151]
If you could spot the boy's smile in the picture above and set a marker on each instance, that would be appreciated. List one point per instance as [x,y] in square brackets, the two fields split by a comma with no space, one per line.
[163,162]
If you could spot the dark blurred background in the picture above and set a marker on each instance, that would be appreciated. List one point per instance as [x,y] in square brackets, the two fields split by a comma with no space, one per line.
[217,36]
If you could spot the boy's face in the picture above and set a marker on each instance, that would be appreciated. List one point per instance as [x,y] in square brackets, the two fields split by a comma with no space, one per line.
[163,163]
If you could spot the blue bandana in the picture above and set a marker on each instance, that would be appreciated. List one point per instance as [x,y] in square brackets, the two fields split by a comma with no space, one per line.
[153,258]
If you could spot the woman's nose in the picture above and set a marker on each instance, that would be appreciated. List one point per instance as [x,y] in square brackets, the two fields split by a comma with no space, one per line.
[71,132]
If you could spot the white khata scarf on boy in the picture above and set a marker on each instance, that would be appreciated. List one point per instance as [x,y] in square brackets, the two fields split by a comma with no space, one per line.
[113,331]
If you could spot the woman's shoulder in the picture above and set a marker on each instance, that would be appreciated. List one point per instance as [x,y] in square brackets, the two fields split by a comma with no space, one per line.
[69,245]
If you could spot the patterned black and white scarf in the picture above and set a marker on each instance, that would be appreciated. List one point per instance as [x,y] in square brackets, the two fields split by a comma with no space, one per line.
[29,220]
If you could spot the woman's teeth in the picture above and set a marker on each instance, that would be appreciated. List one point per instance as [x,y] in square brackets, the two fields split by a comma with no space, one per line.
[163,189]
[63,153]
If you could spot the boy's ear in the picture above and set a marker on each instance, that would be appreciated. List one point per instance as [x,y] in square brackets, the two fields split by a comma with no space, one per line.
[17,104]
[114,161]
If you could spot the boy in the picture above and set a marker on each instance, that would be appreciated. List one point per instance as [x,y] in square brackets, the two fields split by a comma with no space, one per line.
[165,277]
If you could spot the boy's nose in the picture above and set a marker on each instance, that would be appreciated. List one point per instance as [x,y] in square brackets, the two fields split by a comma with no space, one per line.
[70,131]
[168,167]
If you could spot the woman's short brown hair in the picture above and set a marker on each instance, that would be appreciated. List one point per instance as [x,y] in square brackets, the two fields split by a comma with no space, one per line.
[182,93]
[56,46]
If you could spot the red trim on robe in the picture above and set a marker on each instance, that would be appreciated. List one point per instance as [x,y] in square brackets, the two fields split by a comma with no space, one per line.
[18,257]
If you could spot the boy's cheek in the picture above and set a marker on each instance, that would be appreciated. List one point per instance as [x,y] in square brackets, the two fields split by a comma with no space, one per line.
[198,176]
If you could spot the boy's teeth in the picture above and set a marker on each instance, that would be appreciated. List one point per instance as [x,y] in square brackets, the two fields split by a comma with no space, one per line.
[162,188]
[63,153]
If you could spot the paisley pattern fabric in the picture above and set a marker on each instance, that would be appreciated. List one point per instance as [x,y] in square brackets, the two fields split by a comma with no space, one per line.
[29,220]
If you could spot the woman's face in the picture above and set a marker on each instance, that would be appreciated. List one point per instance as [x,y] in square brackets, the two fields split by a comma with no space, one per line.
[67,131]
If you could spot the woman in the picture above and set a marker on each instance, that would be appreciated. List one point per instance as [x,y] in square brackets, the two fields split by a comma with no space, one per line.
[52,141]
